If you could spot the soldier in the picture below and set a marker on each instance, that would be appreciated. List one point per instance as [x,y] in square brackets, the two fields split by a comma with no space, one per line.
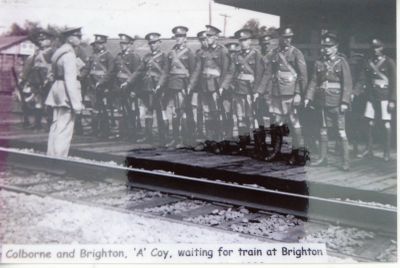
[330,88]
[196,91]
[101,67]
[37,78]
[65,95]
[152,70]
[126,63]
[248,65]
[378,79]
[212,76]
[269,43]
[289,74]
[227,95]
[180,66]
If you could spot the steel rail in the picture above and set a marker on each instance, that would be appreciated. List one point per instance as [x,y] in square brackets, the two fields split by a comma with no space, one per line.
[377,218]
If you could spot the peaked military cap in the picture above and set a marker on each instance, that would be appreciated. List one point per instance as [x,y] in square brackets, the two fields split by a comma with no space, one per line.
[100,38]
[329,39]
[211,30]
[42,35]
[232,46]
[124,38]
[202,35]
[287,32]
[270,34]
[152,37]
[376,43]
[180,30]
[244,34]
[72,31]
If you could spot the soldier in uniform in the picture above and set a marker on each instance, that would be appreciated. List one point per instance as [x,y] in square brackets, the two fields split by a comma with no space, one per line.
[152,72]
[227,95]
[269,43]
[378,80]
[180,66]
[289,74]
[126,63]
[212,75]
[330,89]
[196,91]
[36,79]
[65,94]
[248,66]
[101,67]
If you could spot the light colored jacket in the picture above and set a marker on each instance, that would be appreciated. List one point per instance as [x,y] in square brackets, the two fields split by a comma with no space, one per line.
[66,90]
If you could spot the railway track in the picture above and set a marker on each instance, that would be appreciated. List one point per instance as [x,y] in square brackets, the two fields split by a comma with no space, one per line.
[212,203]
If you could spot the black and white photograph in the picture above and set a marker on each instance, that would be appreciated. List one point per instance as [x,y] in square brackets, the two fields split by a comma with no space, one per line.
[198,131]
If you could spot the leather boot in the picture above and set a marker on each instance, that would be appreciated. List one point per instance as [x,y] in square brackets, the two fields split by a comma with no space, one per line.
[346,159]
[386,150]
[297,142]
[323,158]
[368,151]
[148,131]
[175,133]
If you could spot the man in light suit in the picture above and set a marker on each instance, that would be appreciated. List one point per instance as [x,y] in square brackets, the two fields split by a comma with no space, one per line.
[65,94]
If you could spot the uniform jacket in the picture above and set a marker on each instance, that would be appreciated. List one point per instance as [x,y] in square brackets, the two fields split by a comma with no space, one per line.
[295,59]
[369,77]
[266,79]
[180,67]
[152,71]
[37,68]
[101,67]
[212,60]
[65,91]
[126,63]
[331,82]
[248,65]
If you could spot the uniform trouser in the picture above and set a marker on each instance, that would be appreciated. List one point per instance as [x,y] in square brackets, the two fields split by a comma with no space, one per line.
[212,114]
[197,112]
[153,103]
[61,132]
[242,108]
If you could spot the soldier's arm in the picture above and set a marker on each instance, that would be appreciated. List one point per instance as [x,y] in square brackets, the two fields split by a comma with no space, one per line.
[139,72]
[164,71]
[347,82]
[194,77]
[301,68]
[259,74]
[110,69]
[313,83]
[360,86]
[135,62]
[392,80]
[266,78]
[226,69]
[71,83]
[27,69]
[191,61]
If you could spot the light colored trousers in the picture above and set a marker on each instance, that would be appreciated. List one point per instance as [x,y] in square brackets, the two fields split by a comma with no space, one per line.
[61,131]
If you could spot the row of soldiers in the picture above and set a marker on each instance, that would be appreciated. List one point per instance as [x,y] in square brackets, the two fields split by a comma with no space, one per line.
[222,91]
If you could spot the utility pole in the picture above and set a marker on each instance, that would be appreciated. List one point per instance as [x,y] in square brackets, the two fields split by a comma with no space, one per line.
[209,12]
[225,21]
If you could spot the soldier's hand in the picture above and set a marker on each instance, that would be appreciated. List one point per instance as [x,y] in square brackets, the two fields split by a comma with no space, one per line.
[343,107]
[296,100]
[132,94]
[255,96]
[306,103]
[189,89]
[221,90]
[391,106]
[352,97]
[248,98]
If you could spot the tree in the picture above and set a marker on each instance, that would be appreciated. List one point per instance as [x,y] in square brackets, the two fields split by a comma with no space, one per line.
[28,28]
[254,26]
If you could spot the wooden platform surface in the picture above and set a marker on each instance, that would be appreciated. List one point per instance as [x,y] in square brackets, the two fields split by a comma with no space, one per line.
[365,174]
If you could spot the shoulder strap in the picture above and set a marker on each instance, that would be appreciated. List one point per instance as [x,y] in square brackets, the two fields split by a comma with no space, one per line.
[176,59]
[54,65]
[245,63]
[286,63]
[375,67]
[155,64]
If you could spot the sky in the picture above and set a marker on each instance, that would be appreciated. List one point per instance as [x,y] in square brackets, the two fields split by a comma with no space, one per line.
[133,17]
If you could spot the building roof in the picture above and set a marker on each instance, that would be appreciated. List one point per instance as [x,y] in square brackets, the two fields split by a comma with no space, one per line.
[8,41]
